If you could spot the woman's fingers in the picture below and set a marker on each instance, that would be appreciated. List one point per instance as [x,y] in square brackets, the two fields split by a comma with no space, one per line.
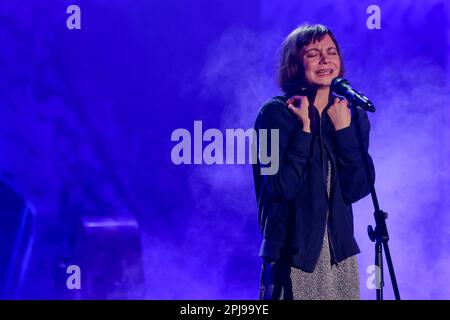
[336,100]
[294,100]
[340,114]
[340,102]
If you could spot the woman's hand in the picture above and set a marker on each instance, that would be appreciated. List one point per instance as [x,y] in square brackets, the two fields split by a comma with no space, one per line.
[340,114]
[301,111]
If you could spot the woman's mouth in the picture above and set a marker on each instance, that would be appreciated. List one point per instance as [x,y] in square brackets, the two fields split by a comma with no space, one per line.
[324,72]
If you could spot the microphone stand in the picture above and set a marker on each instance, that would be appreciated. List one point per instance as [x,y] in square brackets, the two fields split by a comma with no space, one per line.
[379,235]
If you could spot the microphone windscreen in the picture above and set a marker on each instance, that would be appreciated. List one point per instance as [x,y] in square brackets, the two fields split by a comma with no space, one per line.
[339,85]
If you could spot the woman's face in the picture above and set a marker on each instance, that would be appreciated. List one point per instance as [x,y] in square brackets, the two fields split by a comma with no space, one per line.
[321,62]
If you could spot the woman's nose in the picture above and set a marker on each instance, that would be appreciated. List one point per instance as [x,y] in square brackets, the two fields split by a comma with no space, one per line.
[324,58]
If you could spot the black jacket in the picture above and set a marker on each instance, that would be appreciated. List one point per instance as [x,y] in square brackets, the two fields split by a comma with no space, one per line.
[292,204]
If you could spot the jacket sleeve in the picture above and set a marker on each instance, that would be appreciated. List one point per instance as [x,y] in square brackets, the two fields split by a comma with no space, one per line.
[350,162]
[293,151]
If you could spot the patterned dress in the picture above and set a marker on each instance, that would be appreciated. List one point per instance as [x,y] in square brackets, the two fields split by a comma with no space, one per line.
[327,282]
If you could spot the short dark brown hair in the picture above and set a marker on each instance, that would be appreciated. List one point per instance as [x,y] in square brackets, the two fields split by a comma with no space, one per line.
[291,73]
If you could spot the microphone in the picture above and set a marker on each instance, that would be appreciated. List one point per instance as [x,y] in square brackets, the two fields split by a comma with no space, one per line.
[342,87]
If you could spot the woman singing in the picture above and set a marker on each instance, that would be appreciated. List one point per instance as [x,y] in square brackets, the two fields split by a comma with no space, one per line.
[305,209]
